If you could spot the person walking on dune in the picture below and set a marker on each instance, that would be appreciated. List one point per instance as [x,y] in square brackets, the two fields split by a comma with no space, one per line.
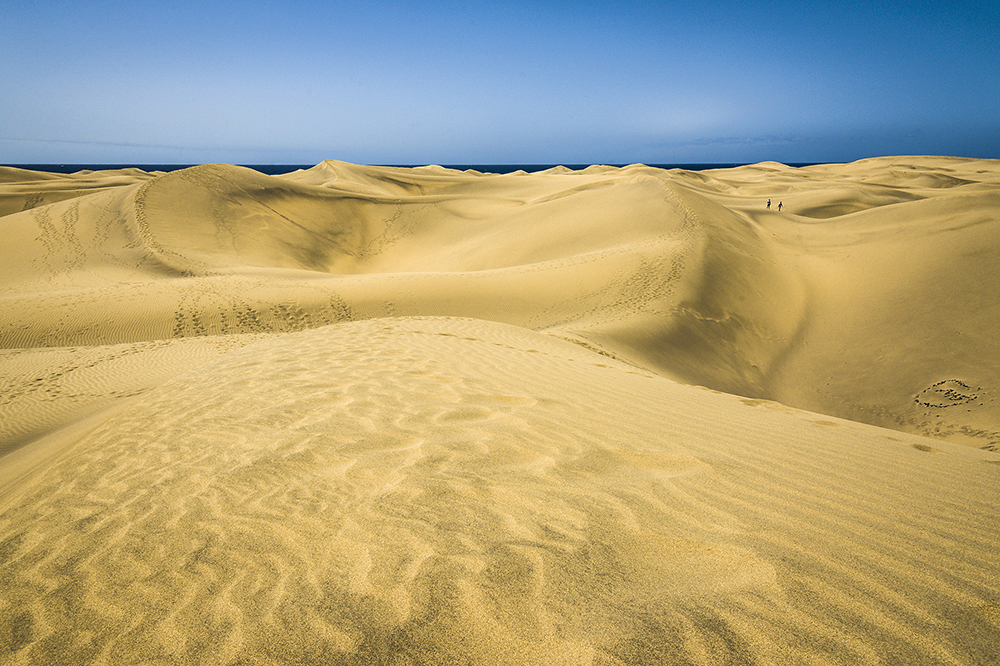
[779,206]
[768,204]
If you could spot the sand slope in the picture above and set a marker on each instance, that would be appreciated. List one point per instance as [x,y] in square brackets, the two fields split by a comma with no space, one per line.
[874,283]
[374,415]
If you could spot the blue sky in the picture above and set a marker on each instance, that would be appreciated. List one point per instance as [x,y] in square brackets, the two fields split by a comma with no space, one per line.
[405,82]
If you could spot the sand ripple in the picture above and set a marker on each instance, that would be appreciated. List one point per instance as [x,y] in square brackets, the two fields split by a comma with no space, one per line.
[366,415]
[428,490]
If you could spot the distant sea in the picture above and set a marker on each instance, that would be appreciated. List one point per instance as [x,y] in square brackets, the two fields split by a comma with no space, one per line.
[275,169]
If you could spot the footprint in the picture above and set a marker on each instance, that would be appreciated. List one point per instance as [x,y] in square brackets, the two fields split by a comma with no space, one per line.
[947,393]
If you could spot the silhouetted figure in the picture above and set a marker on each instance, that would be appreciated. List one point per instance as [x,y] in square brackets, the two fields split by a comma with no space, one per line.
[779,206]
[769,203]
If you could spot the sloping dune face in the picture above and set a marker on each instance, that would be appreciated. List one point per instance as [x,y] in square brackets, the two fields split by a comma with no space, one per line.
[874,282]
[428,490]
[418,416]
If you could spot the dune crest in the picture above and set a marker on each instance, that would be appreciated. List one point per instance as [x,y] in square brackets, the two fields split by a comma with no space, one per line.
[886,262]
[361,415]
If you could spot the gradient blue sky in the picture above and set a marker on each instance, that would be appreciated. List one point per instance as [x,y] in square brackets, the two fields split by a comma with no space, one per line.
[387,82]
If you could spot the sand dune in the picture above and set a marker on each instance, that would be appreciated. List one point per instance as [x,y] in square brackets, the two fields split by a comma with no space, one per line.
[377,415]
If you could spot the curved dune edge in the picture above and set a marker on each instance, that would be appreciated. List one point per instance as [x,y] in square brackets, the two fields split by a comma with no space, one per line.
[873,285]
[701,287]
[429,490]
[362,414]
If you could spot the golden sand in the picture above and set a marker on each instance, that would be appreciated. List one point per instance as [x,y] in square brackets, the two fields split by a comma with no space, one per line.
[361,415]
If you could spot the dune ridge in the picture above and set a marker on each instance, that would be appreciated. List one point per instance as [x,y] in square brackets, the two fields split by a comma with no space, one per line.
[686,273]
[364,415]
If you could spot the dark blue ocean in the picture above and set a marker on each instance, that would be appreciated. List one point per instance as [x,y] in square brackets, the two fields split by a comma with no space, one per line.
[275,169]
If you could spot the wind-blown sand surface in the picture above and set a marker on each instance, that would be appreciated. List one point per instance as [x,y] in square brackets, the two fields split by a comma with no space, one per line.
[371,415]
